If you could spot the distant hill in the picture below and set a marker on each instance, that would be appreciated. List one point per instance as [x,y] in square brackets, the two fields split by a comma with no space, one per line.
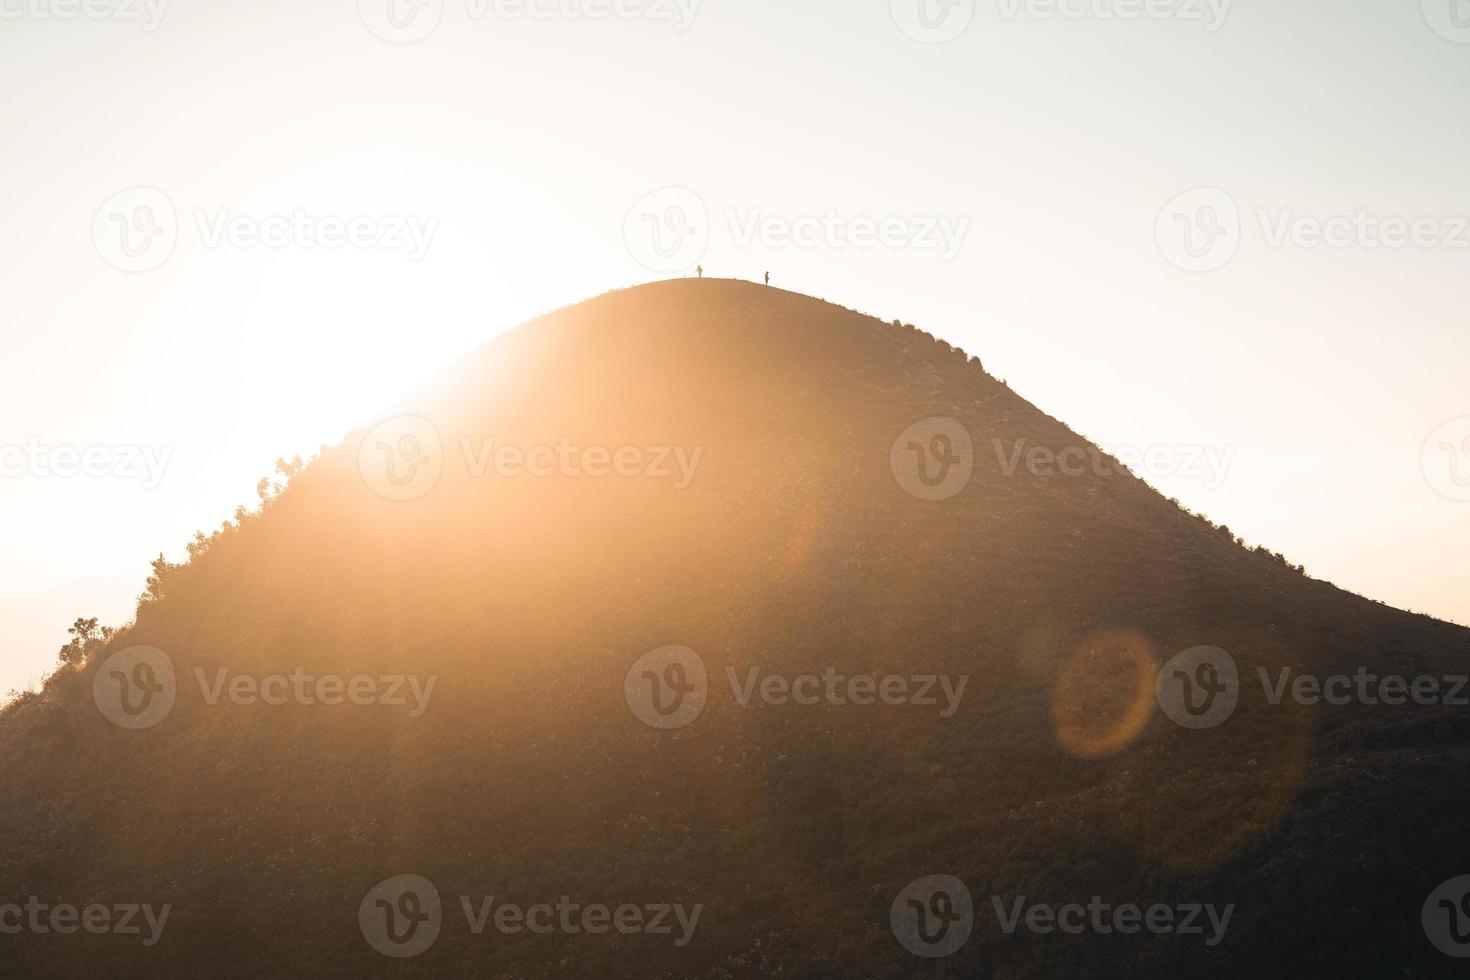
[774,494]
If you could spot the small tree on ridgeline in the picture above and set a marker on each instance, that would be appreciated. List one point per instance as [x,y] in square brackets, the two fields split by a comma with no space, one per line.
[86,637]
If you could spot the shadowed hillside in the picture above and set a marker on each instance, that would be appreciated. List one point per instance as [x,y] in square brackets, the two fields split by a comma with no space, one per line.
[760,516]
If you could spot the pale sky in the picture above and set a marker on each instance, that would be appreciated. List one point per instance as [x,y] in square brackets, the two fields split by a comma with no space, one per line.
[503,164]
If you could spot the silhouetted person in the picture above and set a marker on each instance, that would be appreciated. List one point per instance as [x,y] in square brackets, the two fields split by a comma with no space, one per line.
[699,271]
[768,278]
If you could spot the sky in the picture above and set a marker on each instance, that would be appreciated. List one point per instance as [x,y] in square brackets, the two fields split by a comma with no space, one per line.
[1228,239]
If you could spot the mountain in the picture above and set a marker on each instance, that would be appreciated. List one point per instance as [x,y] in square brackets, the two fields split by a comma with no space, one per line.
[485,617]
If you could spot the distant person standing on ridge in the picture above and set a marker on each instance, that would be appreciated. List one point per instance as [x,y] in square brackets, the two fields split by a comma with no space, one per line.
[768,278]
[699,270]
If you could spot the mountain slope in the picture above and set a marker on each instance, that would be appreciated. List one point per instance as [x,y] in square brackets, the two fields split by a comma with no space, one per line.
[781,539]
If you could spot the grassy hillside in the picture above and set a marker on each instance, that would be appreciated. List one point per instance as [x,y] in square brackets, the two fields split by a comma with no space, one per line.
[792,548]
